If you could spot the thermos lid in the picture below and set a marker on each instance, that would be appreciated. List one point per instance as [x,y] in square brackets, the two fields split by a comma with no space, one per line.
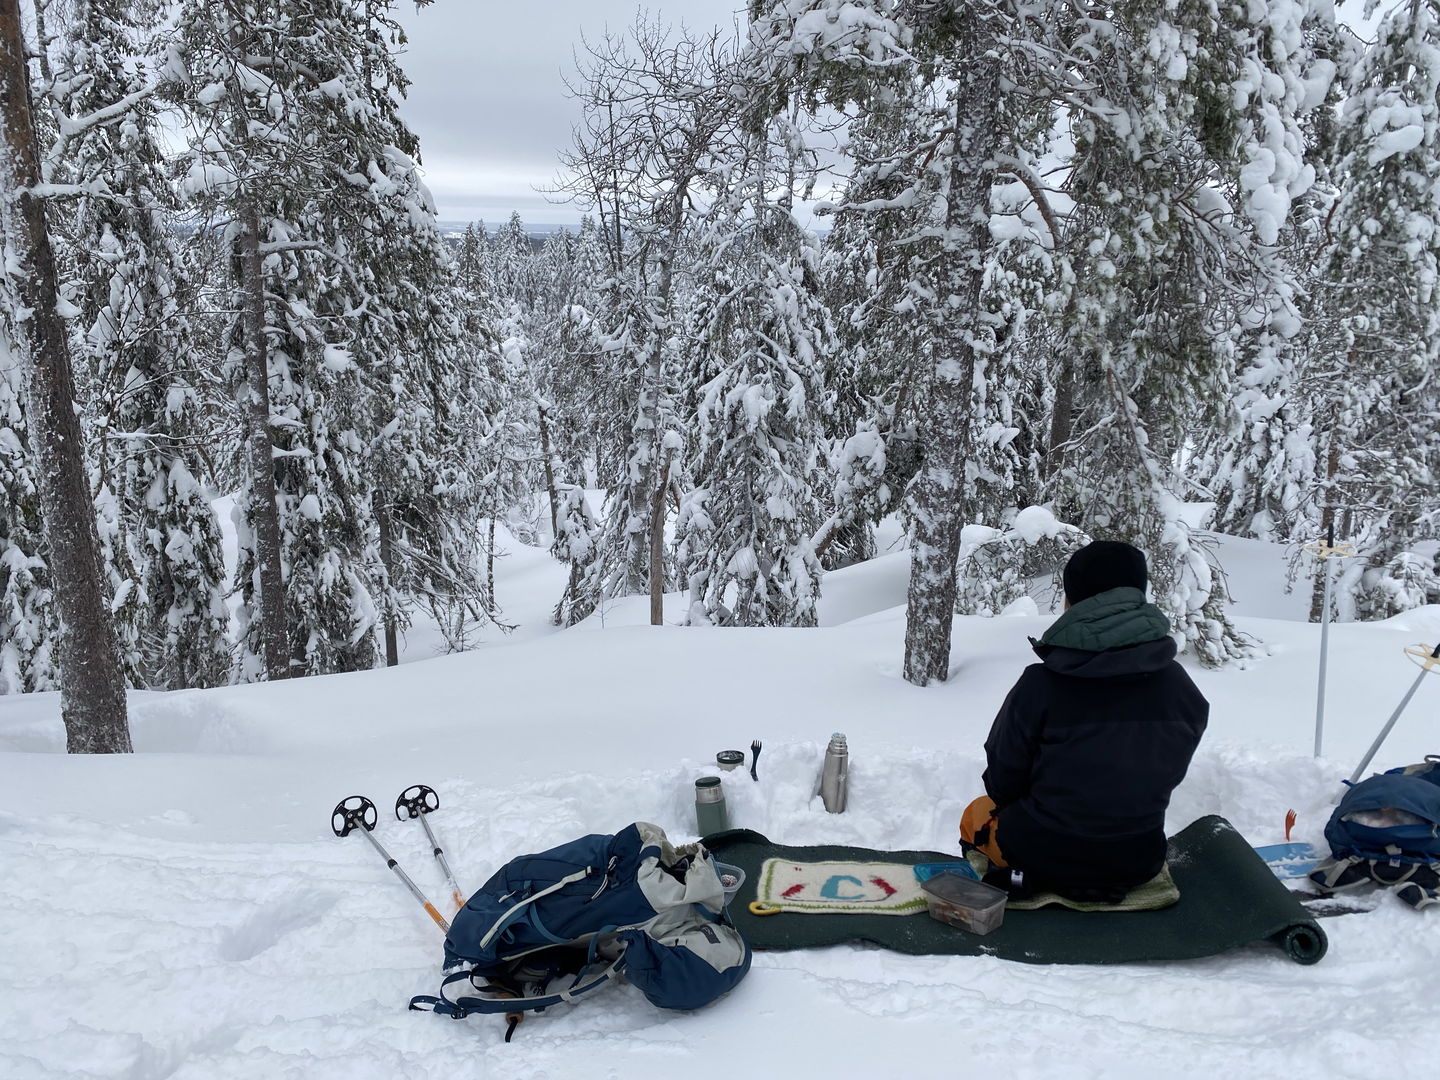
[728,759]
[708,782]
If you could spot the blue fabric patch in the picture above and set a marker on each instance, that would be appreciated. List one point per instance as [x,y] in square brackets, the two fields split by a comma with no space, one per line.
[673,977]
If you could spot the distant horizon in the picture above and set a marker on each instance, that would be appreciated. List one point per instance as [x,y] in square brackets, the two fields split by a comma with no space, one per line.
[492,224]
[533,228]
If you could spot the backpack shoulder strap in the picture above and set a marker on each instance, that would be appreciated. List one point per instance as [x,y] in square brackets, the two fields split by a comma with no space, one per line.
[515,911]
[473,1000]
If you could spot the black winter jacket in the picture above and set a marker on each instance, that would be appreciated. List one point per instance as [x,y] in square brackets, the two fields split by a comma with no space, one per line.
[1089,745]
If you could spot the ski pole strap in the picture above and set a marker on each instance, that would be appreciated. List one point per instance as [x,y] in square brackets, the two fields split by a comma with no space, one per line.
[476,1002]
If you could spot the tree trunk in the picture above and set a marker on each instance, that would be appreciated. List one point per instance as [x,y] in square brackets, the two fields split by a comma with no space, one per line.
[1061,420]
[490,562]
[650,454]
[549,472]
[657,546]
[92,691]
[381,504]
[945,427]
[265,514]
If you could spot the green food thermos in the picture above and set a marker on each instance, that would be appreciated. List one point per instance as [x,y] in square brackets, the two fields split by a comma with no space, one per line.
[710,814]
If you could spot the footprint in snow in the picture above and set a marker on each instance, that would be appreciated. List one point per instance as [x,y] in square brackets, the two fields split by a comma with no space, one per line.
[268,926]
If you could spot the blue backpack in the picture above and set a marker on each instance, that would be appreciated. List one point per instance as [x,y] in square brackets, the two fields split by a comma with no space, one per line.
[1386,831]
[555,926]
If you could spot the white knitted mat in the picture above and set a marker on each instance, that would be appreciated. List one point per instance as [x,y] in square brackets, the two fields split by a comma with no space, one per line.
[840,888]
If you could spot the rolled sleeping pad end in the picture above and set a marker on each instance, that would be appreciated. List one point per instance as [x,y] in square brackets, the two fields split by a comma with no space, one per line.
[1305,943]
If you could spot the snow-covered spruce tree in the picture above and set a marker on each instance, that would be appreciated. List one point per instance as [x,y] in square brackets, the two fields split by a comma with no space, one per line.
[657,110]
[568,375]
[1261,467]
[878,260]
[1004,473]
[882,345]
[963,337]
[997,566]
[641,350]
[234,172]
[297,142]
[575,535]
[512,447]
[845,59]
[1191,110]
[513,264]
[472,275]
[759,334]
[561,327]
[159,535]
[1381,335]
[571,368]
[1011,542]
[27,611]
[490,337]
[426,357]
[518,465]
[32,311]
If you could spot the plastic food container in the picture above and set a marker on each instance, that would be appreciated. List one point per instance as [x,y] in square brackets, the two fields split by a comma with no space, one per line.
[731,878]
[926,870]
[964,902]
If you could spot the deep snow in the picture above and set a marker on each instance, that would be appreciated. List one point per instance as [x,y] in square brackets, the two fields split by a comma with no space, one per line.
[185,912]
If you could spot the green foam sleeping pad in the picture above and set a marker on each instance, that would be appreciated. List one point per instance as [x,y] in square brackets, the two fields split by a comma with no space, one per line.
[1228,899]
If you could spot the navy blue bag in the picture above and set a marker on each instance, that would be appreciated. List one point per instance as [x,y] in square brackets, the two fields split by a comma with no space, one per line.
[554,926]
[1386,831]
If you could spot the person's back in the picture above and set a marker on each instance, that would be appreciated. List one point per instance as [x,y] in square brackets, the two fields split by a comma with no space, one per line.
[1092,741]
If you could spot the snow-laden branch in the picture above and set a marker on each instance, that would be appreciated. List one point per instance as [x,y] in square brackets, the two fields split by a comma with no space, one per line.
[95,189]
[1013,166]
[70,127]
[260,63]
[275,247]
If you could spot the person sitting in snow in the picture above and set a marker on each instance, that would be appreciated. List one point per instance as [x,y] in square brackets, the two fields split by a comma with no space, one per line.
[1091,741]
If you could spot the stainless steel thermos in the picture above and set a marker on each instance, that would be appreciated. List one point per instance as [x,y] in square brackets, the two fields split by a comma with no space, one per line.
[710,813]
[835,776]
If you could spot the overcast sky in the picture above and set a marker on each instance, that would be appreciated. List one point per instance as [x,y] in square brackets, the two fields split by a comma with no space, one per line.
[488,100]
[490,106]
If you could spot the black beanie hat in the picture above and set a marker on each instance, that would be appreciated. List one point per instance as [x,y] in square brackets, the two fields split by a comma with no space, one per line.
[1101,566]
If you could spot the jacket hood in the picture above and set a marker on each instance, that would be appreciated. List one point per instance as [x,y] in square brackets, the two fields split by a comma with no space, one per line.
[1141,659]
[1112,633]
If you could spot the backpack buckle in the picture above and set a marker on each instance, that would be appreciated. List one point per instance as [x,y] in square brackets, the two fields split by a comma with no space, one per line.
[605,881]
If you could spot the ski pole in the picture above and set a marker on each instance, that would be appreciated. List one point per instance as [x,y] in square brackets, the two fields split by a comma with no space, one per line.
[1428,661]
[1325,552]
[358,812]
[417,802]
